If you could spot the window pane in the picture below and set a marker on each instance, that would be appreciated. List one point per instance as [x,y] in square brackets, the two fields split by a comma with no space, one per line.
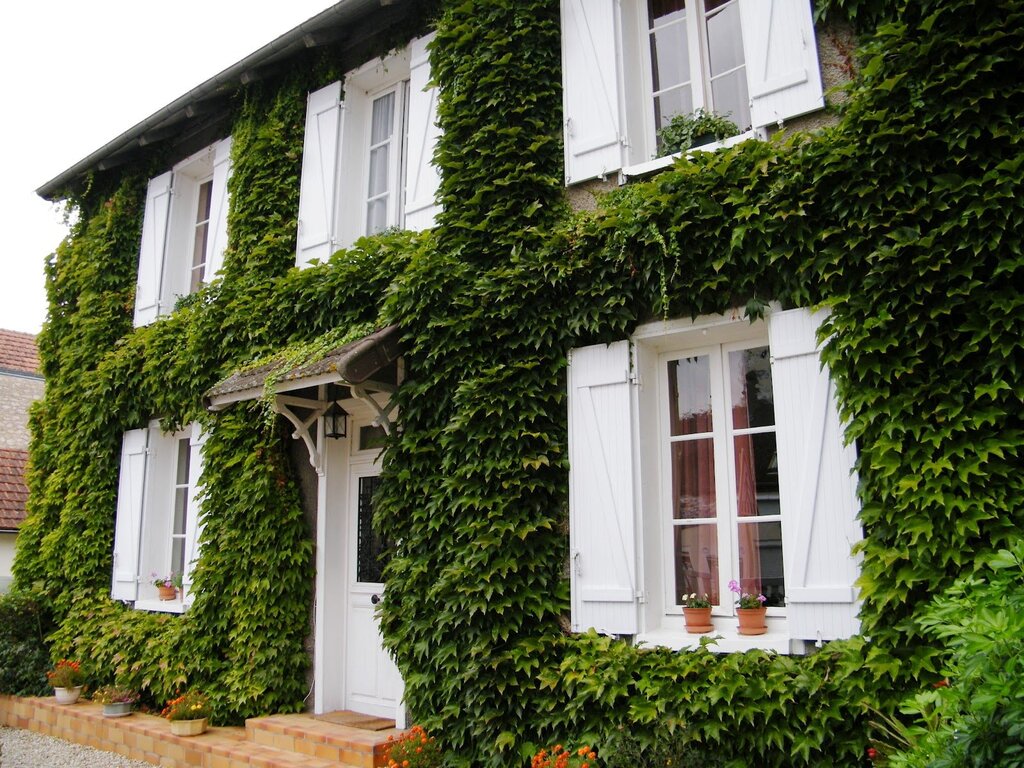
[205,197]
[372,437]
[729,96]
[695,552]
[383,119]
[689,395]
[750,384]
[183,461]
[376,216]
[725,41]
[180,510]
[760,549]
[378,171]
[178,555]
[693,479]
[663,11]
[668,105]
[757,475]
[670,57]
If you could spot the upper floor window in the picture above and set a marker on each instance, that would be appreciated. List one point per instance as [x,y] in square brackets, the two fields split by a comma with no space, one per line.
[629,66]
[184,230]
[367,161]
[696,59]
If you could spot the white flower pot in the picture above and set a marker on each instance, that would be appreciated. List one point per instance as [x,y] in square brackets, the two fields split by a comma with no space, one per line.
[188,727]
[67,695]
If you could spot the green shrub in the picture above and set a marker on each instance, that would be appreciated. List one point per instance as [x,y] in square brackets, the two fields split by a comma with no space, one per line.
[976,719]
[25,621]
[694,130]
[669,748]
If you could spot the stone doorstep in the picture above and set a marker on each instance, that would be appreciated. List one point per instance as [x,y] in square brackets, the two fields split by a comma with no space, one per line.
[277,741]
[311,736]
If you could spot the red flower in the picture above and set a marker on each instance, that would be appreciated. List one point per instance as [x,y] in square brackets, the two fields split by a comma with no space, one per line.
[872,753]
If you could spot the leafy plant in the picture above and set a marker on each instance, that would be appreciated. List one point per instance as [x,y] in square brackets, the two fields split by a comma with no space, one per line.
[171,580]
[745,599]
[560,757]
[693,601]
[115,694]
[25,621]
[191,705]
[667,748]
[413,749]
[66,674]
[694,129]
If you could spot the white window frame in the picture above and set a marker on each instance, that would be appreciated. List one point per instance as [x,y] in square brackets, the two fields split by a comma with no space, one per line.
[397,154]
[144,535]
[619,484]
[167,250]
[727,520]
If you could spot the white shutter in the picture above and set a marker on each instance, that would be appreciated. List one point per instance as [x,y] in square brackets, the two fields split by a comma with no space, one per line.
[318,188]
[783,76]
[602,520]
[219,210]
[131,494]
[590,89]
[422,177]
[193,518]
[151,250]
[817,486]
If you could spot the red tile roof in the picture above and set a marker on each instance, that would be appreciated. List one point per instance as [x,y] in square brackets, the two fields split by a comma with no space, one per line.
[18,352]
[13,491]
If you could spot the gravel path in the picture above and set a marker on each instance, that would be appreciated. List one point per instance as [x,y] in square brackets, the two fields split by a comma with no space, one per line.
[28,749]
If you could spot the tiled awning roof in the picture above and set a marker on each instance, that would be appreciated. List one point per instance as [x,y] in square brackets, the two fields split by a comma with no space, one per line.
[13,491]
[352,363]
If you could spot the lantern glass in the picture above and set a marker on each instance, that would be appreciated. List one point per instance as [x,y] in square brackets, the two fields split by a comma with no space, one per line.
[335,418]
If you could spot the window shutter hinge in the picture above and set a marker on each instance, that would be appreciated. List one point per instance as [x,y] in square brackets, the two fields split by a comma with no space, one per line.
[641,597]
[634,378]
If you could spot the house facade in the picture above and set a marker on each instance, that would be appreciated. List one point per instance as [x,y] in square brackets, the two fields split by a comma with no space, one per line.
[21,384]
[421,441]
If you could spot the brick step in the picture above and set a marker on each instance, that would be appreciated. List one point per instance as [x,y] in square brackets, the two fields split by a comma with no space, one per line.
[319,738]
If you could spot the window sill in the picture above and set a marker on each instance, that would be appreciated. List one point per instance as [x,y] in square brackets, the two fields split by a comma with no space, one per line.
[658,163]
[161,606]
[724,639]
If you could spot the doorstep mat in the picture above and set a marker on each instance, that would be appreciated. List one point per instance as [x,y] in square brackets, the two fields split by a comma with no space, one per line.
[357,720]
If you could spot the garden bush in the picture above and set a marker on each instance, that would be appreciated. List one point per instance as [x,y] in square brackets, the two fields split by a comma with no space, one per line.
[25,621]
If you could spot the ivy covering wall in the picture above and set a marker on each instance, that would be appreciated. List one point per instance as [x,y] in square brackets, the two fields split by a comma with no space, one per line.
[904,219]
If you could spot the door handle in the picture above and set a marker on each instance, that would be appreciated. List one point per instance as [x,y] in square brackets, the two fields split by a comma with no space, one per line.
[375,599]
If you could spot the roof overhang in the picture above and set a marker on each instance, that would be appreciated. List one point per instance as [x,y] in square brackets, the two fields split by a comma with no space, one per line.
[347,24]
[353,364]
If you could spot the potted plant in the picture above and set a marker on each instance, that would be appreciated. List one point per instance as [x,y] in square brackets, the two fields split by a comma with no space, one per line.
[188,713]
[413,749]
[167,586]
[67,679]
[117,701]
[697,614]
[750,610]
[694,130]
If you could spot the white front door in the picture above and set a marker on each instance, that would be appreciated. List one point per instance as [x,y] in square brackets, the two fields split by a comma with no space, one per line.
[372,682]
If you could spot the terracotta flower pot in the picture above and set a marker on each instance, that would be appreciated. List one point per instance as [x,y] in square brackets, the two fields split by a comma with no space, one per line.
[188,727]
[67,695]
[698,620]
[167,593]
[752,621]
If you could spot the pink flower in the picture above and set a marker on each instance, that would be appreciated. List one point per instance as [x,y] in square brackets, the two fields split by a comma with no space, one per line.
[734,586]
[762,599]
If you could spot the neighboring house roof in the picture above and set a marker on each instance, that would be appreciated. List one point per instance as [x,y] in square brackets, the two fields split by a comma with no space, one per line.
[18,353]
[347,23]
[13,490]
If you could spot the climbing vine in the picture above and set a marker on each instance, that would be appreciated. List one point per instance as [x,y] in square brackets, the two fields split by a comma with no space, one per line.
[904,219]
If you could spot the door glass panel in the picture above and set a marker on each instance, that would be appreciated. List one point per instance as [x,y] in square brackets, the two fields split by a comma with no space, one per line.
[696,561]
[372,550]
[760,550]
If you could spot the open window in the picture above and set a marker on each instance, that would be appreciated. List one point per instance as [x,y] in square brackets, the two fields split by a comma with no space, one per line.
[184,231]
[367,162]
[630,66]
[705,452]
[158,515]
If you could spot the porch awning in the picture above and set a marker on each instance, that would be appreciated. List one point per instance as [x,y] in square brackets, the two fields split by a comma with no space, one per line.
[353,364]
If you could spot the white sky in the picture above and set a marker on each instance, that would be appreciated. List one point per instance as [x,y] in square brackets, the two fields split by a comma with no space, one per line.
[75,75]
